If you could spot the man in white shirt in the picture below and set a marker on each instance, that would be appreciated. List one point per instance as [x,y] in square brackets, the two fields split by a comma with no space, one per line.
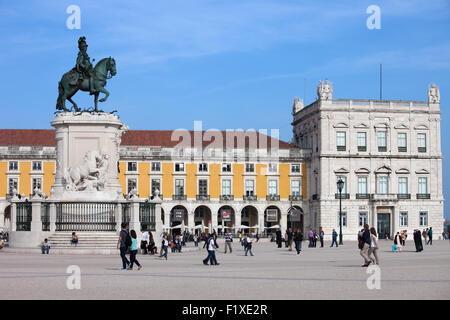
[211,246]
[248,246]
[144,241]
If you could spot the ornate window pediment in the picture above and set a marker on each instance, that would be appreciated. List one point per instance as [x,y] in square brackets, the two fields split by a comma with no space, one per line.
[422,171]
[362,171]
[383,170]
[402,171]
[341,171]
[361,126]
[340,125]
[401,126]
[421,127]
[382,125]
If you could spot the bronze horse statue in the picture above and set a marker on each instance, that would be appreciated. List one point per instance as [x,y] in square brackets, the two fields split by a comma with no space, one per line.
[73,81]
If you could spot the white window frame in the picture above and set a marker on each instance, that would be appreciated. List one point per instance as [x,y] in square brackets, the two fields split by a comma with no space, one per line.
[403,217]
[345,188]
[361,220]
[250,165]
[406,139]
[201,166]
[207,186]
[128,165]
[295,165]
[272,167]
[128,185]
[419,185]
[358,139]
[151,185]
[269,187]
[225,166]
[422,218]
[382,139]
[40,165]
[379,184]
[399,184]
[344,219]
[175,186]
[18,183]
[222,185]
[181,167]
[366,184]
[299,187]
[9,166]
[154,162]
[338,138]
[253,185]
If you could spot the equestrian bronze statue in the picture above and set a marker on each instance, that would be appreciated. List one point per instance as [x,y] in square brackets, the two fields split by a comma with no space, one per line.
[84,77]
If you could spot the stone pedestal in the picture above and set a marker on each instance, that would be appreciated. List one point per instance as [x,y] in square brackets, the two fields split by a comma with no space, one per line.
[82,140]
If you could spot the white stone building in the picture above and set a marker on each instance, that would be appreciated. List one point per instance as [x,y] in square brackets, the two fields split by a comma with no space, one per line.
[388,153]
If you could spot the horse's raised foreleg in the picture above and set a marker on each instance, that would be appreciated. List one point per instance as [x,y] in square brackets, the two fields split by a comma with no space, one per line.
[74,104]
[106,92]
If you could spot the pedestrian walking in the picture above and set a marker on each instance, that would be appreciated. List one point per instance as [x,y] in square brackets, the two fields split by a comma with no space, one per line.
[165,246]
[430,236]
[289,236]
[321,235]
[278,237]
[248,245]
[45,248]
[334,236]
[364,245]
[228,240]
[211,245]
[418,240]
[425,235]
[298,238]
[310,236]
[373,250]
[133,251]
[144,241]
[123,243]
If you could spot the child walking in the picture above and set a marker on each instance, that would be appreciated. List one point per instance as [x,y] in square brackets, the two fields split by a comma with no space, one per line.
[133,251]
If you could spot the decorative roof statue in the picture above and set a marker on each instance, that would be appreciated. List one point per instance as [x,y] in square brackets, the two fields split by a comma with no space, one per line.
[84,77]
[297,105]
[325,90]
[433,94]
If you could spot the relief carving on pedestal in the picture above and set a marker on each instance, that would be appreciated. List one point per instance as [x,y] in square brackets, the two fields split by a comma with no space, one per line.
[90,175]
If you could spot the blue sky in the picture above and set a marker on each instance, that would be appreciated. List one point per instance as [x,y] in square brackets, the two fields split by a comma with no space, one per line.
[230,63]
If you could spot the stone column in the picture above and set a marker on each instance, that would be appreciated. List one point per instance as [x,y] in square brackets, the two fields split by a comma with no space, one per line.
[13,227]
[214,221]
[191,223]
[158,222]
[237,220]
[118,217]
[52,217]
[134,217]
[36,224]
[395,221]
[260,222]
[283,222]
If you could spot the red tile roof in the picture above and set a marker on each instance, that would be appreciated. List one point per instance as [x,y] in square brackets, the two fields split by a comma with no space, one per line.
[163,138]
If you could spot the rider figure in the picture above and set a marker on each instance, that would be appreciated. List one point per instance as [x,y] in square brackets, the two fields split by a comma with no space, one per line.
[84,66]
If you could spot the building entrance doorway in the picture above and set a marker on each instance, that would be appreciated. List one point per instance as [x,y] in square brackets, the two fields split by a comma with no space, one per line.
[384,225]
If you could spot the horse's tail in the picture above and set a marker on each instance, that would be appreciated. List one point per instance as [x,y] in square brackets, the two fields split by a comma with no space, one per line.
[60,105]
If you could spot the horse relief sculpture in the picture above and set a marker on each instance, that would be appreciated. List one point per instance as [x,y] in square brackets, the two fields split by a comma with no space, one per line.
[84,77]
[90,175]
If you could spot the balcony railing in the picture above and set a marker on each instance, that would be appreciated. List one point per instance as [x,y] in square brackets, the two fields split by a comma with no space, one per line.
[295,197]
[403,196]
[250,198]
[179,197]
[341,148]
[202,197]
[273,197]
[382,149]
[422,196]
[363,196]
[422,149]
[383,196]
[344,196]
[362,148]
[227,197]
[402,149]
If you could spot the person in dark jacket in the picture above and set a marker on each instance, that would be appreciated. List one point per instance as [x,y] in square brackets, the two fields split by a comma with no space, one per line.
[418,240]
[278,233]
[334,236]
[298,238]
[430,236]
[365,238]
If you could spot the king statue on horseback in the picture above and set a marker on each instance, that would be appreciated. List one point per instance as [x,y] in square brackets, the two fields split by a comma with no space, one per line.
[85,77]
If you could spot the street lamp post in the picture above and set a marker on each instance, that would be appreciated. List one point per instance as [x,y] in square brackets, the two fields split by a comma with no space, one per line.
[340,185]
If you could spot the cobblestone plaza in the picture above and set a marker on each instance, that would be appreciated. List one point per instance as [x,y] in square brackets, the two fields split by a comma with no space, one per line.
[317,273]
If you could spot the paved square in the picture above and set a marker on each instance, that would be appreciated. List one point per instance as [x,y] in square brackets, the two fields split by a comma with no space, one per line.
[317,273]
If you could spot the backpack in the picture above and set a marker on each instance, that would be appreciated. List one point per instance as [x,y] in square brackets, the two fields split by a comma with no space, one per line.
[128,242]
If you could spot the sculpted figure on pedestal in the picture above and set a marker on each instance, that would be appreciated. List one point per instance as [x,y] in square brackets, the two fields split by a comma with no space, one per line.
[325,90]
[433,94]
